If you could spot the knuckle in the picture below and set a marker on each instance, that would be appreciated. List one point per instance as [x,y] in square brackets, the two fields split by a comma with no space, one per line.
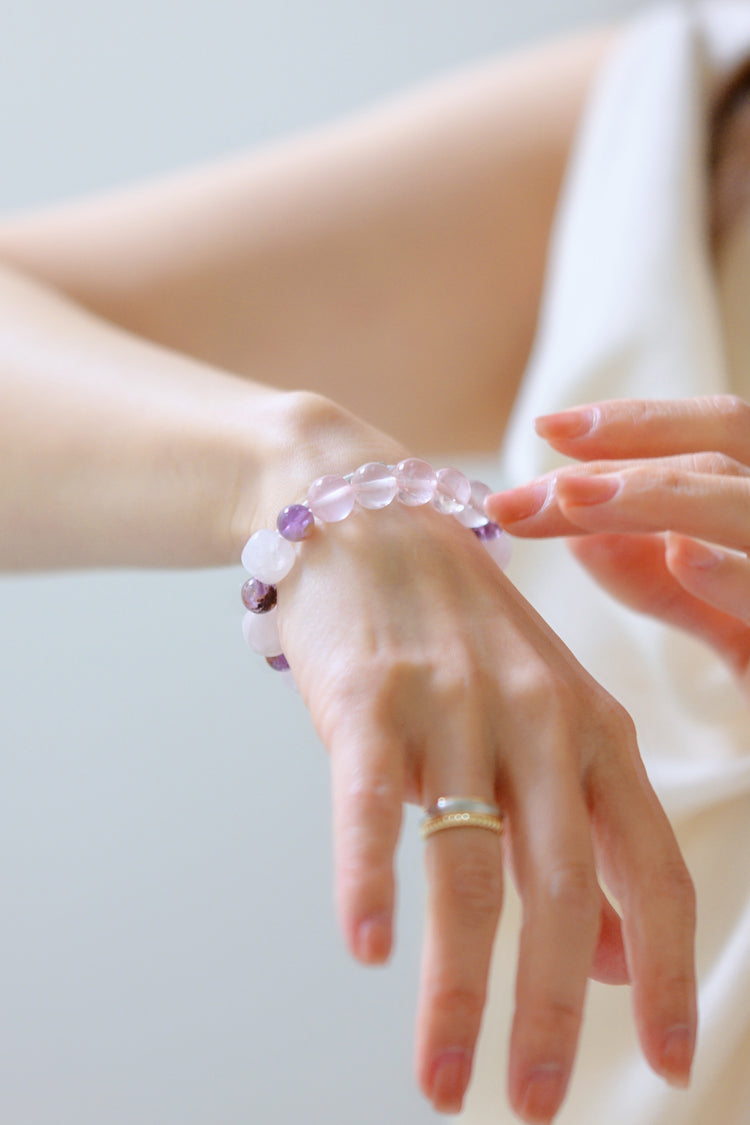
[372,798]
[538,689]
[573,887]
[730,407]
[671,884]
[717,464]
[461,1004]
[564,1017]
[616,721]
[734,415]
[372,814]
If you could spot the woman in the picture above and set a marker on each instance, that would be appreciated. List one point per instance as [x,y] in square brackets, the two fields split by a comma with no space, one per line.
[152,345]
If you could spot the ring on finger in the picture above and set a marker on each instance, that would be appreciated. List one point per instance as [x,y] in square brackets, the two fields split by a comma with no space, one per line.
[460,812]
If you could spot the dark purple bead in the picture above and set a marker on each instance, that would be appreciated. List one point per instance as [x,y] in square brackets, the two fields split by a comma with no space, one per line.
[295,522]
[278,663]
[488,531]
[257,596]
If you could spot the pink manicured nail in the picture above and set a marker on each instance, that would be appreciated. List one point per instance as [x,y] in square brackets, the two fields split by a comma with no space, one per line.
[699,555]
[449,1081]
[373,939]
[677,1056]
[587,490]
[543,1094]
[519,503]
[567,424]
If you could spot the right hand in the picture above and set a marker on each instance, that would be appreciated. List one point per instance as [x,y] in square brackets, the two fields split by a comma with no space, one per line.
[427,674]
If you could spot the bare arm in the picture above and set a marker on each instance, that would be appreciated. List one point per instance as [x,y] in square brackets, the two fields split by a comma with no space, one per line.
[392,263]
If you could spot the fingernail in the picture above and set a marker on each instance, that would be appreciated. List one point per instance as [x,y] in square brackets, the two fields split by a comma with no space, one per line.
[373,939]
[543,1094]
[677,1055]
[699,555]
[567,423]
[519,503]
[588,490]
[449,1081]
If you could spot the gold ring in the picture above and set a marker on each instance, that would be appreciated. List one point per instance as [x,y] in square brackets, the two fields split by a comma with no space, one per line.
[458,813]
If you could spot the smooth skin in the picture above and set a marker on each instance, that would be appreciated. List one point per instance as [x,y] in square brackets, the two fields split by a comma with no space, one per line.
[152,349]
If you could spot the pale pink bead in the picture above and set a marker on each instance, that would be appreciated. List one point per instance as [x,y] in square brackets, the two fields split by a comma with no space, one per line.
[471,517]
[267,556]
[453,491]
[374,485]
[330,498]
[416,481]
[261,632]
[479,493]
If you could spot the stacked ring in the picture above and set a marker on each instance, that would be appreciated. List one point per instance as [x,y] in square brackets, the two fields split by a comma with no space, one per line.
[460,812]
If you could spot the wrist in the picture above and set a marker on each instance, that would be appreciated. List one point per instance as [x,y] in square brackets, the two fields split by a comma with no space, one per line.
[302,436]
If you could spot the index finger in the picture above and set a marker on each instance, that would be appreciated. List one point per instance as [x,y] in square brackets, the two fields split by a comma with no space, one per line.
[627,428]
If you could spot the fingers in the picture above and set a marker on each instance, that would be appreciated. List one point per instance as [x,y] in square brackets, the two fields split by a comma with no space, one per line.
[367,785]
[706,495]
[651,428]
[644,868]
[610,965]
[562,909]
[717,577]
[464,871]
[465,880]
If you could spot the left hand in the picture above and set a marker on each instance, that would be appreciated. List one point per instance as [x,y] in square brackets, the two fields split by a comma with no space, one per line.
[664,491]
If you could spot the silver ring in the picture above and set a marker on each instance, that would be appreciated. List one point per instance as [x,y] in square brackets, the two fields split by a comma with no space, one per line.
[446,805]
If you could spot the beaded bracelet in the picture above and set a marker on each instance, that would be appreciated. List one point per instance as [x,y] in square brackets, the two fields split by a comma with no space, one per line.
[268,555]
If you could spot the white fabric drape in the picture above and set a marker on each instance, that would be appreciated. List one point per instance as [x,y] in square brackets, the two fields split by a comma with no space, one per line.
[635,308]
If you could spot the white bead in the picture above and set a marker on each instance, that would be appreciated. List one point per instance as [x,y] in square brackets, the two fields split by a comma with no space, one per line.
[261,632]
[268,556]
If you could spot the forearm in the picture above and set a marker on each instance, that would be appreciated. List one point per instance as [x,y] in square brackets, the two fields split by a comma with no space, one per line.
[115,451]
[393,263]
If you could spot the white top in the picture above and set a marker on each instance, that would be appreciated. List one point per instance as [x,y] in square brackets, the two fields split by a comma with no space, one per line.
[634,308]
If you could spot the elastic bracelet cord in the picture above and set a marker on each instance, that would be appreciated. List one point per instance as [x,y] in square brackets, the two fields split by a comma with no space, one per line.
[268,556]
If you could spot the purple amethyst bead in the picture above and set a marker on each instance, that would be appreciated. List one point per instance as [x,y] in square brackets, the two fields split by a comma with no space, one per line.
[278,663]
[488,530]
[295,522]
[258,596]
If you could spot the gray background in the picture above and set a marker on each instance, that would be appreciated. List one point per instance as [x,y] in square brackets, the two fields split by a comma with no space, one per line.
[168,952]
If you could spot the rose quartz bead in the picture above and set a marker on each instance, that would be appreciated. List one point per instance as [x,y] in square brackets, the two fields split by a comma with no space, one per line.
[267,556]
[330,498]
[261,632]
[479,493]
[453,492]
[471,517]
[474,514]
[416,481]
[374,485]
